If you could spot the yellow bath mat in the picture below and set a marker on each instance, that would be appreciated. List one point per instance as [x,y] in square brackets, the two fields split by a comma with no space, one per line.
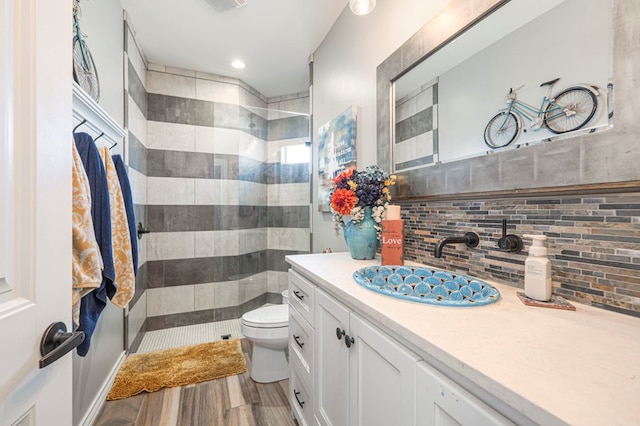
[153,371]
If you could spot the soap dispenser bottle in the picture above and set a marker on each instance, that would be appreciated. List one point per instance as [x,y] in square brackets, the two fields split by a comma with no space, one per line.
[537,270]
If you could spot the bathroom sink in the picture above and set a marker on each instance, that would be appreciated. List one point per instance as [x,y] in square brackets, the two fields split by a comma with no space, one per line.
[427,285]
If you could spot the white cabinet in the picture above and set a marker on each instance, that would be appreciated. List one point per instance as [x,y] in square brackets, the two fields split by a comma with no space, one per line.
[331,361]
[382,377]
[442,402]
[347,371]
[301,348]
[363,377]
[300,399]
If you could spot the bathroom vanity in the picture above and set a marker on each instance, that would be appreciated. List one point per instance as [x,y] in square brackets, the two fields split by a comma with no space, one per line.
[361,358]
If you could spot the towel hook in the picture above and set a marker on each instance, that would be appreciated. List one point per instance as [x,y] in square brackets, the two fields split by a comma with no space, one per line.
[84,120]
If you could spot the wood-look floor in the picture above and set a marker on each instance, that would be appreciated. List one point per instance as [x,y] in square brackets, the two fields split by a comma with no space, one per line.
[230,401]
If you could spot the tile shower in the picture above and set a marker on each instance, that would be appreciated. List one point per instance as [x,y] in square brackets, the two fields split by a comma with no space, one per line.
[222,209]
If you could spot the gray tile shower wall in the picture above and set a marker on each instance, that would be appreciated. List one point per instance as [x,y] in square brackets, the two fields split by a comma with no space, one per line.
[416,127]
[222,209]
[594,242]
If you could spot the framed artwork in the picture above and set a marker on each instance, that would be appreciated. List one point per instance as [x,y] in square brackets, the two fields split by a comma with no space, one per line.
[336,152]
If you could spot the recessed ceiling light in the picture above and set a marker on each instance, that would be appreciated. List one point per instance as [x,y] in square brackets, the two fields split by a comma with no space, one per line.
[238,64]
[362,7]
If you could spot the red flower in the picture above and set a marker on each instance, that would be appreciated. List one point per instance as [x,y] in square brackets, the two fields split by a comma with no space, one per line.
[343,200]
[342,179]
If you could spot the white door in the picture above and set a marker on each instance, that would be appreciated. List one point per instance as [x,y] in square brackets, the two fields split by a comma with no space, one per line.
[383,378]
[331,361]
[35,207]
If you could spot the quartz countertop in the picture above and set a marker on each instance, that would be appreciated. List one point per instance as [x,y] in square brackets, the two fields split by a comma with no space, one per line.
[553,366]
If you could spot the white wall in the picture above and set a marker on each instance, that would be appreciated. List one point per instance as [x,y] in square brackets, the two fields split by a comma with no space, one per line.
[344,74]
[102,21]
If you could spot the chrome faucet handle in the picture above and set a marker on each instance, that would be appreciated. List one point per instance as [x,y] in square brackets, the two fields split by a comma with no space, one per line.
[510,243]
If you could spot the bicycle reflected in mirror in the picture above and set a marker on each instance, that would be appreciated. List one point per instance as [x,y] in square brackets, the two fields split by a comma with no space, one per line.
[569,110]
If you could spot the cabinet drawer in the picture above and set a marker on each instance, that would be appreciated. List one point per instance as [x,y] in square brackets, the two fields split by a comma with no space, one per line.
[300,399]
[301,343]
[301,293]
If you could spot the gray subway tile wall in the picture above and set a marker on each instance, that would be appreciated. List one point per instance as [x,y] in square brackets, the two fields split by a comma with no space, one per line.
[136,88]
[593,242]
[419,123]
[415,163]
[223,212]
[173,109]
[288,128]
[165,163]
[137,154]
[416,128]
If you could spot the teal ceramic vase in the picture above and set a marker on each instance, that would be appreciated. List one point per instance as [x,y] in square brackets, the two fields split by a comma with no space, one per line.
[362,238]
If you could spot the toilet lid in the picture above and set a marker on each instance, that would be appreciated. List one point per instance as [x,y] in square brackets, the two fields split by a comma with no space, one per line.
[267,317]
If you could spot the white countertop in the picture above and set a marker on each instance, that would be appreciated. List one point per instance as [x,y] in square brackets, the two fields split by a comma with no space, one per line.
[580,367]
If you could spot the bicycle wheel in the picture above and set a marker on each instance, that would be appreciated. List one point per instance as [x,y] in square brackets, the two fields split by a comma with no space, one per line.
[84,69]
[570,110]
[502,129]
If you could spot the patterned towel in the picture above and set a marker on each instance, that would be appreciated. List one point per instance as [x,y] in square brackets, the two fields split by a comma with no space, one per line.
[122,255]
[92,305]
[87,261]
[125,186]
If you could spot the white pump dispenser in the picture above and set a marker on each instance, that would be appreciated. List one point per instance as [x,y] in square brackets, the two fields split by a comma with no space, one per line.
[537,270]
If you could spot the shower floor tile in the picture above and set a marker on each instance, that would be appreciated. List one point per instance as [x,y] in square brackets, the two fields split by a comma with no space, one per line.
[168,338]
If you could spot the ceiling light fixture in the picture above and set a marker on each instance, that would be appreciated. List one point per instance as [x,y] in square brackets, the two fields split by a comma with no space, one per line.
[238,64]
[362,7]
[224,5]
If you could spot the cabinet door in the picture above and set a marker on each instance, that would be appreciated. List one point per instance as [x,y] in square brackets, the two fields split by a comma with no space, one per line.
[301,344]
[301,295]
[300,399]
[382,378]
[331,361]
[442,402]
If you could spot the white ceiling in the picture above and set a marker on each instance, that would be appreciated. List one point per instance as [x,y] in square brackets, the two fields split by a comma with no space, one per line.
[273,37]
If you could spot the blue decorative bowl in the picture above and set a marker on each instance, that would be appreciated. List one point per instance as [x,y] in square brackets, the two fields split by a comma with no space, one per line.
[427,285]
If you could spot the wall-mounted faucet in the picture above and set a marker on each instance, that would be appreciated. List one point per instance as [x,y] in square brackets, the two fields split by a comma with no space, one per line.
[470,239]
[510,243]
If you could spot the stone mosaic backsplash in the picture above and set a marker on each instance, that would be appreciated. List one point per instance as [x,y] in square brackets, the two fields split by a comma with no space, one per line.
[593,242]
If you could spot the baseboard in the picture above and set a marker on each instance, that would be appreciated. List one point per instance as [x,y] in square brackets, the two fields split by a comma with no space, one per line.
[93,411]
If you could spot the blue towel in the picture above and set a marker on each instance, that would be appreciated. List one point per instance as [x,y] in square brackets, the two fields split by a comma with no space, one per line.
[92,305]
[125,187]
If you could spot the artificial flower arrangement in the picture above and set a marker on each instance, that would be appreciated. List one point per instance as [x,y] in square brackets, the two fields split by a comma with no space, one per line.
[353,191]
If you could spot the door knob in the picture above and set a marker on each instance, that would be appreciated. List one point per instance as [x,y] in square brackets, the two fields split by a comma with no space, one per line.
[56,342]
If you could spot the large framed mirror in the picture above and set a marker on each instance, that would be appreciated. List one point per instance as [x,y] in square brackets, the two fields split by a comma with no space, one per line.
[438,91]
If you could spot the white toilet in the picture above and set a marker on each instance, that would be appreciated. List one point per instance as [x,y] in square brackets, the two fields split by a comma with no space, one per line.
[268,329]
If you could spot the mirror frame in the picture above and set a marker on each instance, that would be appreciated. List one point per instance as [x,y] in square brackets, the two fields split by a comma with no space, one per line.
[607,161]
